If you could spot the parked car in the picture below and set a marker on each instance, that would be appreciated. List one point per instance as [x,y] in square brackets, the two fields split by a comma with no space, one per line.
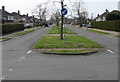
[46,25]
[86,25]
[50,24]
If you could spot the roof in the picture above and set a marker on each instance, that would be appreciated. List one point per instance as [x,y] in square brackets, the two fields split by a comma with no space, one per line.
[15,14]
[25,16]
[5,13]
[102,15]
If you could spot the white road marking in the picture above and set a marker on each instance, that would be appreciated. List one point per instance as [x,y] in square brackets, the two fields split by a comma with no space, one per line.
[21,59]
[10,70]
[29,51]
[110,51]
[108,35]
[2,78]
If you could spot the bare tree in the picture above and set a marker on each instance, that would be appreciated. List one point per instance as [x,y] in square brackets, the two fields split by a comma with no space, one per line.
[84,16]
[80,12]
[56,16]
[41,12]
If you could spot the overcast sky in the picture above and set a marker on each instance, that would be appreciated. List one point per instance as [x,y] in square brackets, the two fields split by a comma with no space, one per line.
[26,6]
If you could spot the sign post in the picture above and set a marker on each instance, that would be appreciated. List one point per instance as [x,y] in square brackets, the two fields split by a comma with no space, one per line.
[63,12]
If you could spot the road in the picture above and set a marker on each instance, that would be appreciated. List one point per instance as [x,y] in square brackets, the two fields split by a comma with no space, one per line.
[21,62]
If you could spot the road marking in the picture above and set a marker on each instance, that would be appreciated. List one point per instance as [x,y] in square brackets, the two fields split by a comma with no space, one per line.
[108,35]
[21,59]
[10,70]
[29,51]
[110,51]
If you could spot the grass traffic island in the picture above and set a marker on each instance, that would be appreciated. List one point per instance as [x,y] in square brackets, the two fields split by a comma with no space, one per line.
[56,30]
[72,45]
[5,38]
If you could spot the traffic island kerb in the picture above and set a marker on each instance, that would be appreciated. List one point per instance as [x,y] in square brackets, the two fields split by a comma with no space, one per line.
[61,53]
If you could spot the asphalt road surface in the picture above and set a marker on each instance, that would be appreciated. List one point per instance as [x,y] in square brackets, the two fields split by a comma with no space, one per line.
[21,62]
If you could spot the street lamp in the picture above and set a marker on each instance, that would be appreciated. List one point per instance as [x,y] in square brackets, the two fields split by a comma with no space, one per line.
[33,20]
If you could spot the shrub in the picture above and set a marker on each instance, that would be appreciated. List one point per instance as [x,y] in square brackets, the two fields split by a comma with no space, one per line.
[10,28]
[107,25]
[113,16]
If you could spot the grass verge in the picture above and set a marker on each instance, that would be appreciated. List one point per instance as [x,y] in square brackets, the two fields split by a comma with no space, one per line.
[117,36]
[98,31]
[5,38]
[23,33]
[71,42]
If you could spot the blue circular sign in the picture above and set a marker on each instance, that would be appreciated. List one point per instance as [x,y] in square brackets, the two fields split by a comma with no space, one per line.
[64,11]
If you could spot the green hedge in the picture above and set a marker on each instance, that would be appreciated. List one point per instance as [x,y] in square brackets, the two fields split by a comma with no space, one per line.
[10,28]
[107,25]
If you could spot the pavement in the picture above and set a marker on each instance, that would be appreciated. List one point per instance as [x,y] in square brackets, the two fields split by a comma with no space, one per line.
[21,62]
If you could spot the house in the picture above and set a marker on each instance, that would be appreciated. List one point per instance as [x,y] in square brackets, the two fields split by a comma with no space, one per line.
[16,17]
[25,18]
[101,17]
[0,16]
[6,17]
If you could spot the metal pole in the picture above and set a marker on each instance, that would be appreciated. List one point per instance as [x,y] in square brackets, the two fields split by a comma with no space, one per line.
[33,20]
[61,34]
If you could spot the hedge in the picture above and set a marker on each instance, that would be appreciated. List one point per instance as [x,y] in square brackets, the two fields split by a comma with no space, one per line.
[107,25]
[10,28]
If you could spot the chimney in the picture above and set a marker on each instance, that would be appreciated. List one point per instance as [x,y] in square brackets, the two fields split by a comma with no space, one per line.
[98,15]
[18,12]
[3,8]
[27,14]
[106,10]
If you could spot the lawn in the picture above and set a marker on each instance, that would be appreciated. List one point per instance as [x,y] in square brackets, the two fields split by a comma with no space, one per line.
[56,30]
[98,31]
[23,33]
[70,42]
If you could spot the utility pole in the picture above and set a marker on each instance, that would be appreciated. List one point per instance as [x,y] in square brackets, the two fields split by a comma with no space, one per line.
[62,17]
